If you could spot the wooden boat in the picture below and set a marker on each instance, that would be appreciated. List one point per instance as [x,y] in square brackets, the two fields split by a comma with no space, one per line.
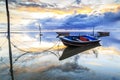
[78,40]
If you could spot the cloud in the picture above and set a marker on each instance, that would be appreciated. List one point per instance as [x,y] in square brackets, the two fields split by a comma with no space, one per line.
[84,21]
[78,1]
[99,1]
[80,21]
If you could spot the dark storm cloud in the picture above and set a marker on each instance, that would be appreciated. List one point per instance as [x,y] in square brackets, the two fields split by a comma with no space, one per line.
[84,21]
[80,21]
[78,1]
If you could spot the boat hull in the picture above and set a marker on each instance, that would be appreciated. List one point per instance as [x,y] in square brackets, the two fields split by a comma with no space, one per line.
[77,43]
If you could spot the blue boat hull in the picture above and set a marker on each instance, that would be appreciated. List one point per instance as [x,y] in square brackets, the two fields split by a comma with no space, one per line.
[69,42]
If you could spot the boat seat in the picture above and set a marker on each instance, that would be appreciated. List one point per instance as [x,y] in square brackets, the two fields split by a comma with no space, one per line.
[83,39]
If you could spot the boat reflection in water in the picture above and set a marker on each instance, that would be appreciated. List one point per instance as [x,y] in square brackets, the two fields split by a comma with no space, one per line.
[73,50]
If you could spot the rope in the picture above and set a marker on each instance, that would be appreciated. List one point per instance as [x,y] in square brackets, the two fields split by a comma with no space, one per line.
[29,52]
[4,62]
[32,51]
[2,45]
[3,42]
[15,40]
[19,48]
[20,57]
[54,54]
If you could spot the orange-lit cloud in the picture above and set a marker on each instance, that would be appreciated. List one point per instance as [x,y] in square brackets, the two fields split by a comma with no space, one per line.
[110,8]
[57,11]
[72,10]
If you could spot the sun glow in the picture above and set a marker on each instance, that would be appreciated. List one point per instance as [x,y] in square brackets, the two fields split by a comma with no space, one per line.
[71,10]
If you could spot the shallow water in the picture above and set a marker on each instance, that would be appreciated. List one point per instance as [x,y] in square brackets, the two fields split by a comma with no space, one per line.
[85,67]
[100,63]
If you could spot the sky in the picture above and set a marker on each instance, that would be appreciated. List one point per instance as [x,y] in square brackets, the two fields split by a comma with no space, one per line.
[67,3]
[62,2]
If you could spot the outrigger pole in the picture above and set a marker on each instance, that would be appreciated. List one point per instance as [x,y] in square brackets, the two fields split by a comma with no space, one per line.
[9,40]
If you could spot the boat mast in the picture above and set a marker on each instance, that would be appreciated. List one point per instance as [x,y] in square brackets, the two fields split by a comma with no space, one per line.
[9,40]
[40,32]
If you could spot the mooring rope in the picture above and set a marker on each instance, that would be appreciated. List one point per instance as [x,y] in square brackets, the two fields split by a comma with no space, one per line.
[3,43]
[31,52]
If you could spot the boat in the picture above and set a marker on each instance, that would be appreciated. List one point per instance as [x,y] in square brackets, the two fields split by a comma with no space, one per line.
[78,40]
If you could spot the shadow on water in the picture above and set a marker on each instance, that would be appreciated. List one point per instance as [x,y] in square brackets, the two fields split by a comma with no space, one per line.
[71,51]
